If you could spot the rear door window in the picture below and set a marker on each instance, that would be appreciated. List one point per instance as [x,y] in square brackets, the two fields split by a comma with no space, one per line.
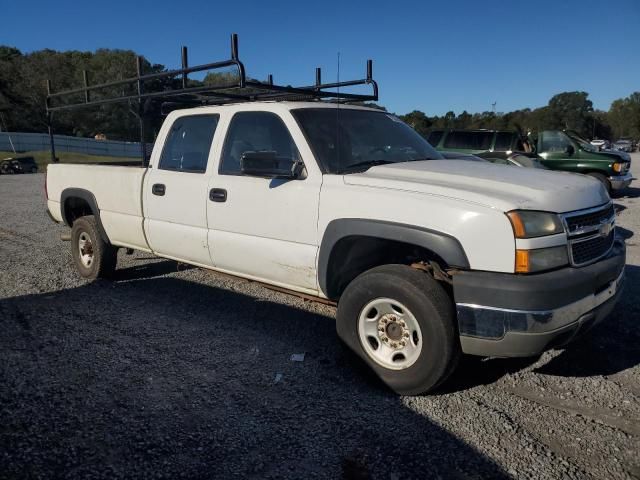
[469,140]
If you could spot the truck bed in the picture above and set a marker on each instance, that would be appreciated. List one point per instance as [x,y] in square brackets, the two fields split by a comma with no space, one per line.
[117,191]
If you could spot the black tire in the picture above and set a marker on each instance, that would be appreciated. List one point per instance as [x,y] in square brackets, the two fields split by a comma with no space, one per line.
[432,308]
[34,169]
[103,254]
[604,180]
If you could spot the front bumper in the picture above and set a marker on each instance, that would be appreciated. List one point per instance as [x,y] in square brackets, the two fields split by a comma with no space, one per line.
[506,315]
[620,182]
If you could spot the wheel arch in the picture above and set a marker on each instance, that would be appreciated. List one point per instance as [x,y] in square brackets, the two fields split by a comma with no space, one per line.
[345,238]
[78,202]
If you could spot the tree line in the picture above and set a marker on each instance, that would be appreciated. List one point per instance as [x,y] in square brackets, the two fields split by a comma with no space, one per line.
[567,110]
[23,91]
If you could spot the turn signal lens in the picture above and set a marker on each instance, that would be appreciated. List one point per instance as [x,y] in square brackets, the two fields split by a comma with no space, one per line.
[618,167]
[522,261]
[518,226]
[541,259]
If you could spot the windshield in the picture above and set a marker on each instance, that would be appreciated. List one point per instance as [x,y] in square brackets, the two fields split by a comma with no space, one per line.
[583,143]
[346,140]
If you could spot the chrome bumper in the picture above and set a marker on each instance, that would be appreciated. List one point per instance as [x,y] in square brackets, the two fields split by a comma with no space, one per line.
[527,333]
[621,181]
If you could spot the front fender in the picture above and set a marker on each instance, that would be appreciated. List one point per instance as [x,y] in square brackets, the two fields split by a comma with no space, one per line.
[445,246]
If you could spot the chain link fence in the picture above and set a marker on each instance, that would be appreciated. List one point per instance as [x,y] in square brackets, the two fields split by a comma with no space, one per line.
[30,142]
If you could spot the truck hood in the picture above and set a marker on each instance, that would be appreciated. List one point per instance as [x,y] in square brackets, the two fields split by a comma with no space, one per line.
[615,155]
[496,186]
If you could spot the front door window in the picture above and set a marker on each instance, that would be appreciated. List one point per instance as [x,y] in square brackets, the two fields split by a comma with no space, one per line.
[554,142]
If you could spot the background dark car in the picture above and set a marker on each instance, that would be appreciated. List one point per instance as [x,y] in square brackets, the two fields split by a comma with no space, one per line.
[516,159]
[477,141]
[462,156]
[18,165]
[624,145]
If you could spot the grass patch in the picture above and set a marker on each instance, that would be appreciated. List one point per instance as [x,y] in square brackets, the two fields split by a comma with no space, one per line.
[43,158]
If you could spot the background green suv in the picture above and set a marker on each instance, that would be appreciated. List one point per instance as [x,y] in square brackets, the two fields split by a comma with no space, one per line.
[556,150]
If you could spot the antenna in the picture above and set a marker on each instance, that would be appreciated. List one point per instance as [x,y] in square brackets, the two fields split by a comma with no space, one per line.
[338,114]
[338,73]
[493,107]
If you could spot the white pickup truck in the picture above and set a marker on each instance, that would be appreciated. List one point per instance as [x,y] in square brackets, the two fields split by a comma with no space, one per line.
[425,258]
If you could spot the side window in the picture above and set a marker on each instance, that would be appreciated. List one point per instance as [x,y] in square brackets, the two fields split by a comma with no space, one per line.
[469,140]
[188,143]
[435,137]
[503,141]
[255,132]
[553,141]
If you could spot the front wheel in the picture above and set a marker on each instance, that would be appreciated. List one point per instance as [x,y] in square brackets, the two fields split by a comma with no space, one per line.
[402,323]
[93,257]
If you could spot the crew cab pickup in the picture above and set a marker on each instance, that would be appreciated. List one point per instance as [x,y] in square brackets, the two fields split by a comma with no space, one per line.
[566,150]
[425,258]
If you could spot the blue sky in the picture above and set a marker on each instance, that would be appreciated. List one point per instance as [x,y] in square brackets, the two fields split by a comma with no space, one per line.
[431,56]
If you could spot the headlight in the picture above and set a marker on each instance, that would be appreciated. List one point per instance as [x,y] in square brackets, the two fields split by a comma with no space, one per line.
[529,224]
[540,259]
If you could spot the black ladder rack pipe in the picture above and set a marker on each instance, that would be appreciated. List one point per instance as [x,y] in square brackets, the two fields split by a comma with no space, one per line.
[241,90]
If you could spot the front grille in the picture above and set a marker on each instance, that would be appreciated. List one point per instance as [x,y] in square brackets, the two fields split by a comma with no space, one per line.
[580,222]
[586,251]
[590,234]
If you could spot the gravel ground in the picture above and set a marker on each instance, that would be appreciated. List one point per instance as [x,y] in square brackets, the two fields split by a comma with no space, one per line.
[176,372]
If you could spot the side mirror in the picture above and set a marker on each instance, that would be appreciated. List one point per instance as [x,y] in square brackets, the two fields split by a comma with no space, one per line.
[269,165]
[570,150]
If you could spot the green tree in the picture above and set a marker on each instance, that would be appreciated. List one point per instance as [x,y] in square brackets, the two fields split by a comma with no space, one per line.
[418,120]
[571,110]
[624,116]
[23,90]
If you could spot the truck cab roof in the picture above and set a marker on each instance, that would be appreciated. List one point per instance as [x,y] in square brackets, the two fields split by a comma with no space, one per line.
[271,105]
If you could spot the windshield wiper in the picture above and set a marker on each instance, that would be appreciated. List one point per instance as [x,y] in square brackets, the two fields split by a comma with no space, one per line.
[364,165]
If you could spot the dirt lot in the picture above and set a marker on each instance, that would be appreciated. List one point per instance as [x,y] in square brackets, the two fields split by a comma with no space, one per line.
[175,372]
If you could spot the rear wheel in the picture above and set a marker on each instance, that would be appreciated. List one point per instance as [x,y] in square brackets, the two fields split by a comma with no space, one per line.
[402,323]
[604,180]
[93,257]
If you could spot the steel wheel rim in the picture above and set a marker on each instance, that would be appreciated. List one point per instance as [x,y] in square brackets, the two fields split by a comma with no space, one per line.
[389,333]
[85,249]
